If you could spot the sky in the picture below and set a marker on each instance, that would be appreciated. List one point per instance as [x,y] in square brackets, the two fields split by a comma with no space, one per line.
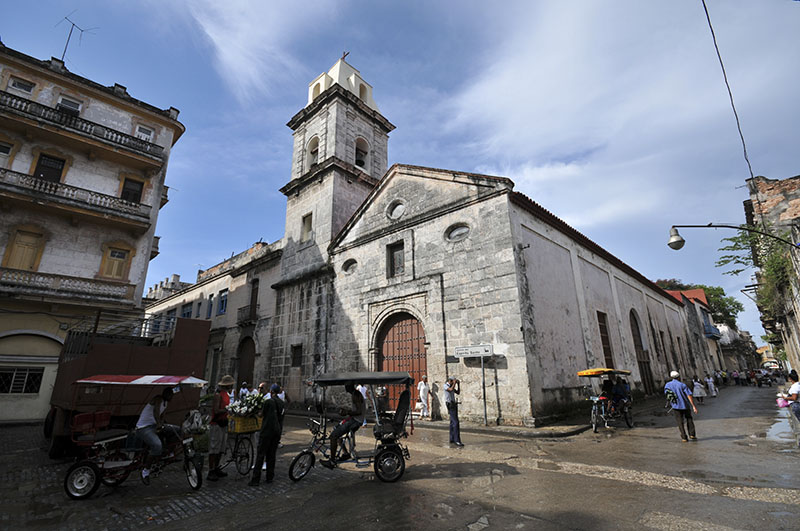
[613,115]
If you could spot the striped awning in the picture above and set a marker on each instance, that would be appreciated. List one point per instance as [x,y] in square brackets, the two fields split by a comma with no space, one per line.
[139,379]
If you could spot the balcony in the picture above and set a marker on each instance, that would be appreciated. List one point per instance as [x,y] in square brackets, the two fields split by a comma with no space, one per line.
[154,248]
[247,314]
[73,289]
[42,114]
[711,331]
[27,188]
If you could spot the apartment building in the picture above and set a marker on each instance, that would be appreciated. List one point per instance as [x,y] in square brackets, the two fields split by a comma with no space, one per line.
[82,171]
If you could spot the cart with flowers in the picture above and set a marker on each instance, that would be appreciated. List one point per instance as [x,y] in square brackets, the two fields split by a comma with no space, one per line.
[243,421]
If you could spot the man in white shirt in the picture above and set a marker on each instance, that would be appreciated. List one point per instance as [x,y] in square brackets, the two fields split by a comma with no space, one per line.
[424,390]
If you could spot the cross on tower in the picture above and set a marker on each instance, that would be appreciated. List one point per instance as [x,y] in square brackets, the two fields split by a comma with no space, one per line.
[345,54]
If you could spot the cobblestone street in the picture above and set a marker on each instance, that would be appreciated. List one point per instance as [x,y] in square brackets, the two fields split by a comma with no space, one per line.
[740,475]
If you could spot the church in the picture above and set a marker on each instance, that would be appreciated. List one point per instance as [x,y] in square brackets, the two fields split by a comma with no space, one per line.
[431,271]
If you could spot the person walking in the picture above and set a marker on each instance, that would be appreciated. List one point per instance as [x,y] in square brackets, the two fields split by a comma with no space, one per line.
[269,436]
[711,385]
[218,428]
[680,396]
[424,390]
[698,390]
[451,389]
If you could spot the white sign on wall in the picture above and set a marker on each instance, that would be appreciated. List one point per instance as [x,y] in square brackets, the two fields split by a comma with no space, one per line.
[475,351]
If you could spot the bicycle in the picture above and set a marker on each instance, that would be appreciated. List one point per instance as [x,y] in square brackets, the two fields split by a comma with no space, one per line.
[603,410]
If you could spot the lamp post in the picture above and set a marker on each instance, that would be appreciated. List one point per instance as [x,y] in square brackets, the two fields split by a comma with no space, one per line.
[677,242]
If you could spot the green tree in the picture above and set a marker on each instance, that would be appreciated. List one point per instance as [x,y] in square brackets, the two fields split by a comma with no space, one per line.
[749,250]
[724,309]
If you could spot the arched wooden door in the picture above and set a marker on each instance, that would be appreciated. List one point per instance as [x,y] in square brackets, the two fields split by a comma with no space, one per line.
[642,358]
[401,347]
[247,358]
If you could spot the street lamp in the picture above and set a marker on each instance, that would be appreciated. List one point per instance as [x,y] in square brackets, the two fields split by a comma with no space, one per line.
[677,242]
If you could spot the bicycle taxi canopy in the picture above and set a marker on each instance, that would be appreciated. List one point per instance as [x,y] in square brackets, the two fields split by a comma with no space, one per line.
[602,371]
[139,379]
[366,378]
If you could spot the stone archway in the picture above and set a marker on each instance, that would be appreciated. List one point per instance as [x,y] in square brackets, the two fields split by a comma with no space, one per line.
[247,358]
[401,347]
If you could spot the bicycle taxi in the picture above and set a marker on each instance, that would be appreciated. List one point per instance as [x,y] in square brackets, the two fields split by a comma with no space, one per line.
[614,400]
[108,449]
[388,455]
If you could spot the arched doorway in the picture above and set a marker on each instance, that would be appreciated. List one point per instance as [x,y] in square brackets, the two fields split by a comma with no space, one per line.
[247,358]
[642,358]
[401,347]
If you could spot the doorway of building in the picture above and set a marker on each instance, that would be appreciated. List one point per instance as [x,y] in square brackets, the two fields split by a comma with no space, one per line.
[247,358]
[401,347]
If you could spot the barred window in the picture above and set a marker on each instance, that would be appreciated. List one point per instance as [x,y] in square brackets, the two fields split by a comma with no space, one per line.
[18,380]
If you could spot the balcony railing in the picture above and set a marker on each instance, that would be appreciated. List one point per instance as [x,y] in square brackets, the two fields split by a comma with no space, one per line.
[76,288]
[711,331]
[42,112]
[73,193]
[247,314]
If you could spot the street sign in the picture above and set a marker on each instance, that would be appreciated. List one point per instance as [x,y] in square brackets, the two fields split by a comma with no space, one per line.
[475,351]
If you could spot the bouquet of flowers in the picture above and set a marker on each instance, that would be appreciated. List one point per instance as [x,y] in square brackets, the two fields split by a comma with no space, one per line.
[249,406]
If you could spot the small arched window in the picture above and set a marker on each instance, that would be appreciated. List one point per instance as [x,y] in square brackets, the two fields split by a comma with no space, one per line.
[316,91]
[362,151]
[362,92]
[312,152]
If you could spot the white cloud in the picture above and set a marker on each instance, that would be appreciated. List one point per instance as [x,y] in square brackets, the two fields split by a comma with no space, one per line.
[253,41]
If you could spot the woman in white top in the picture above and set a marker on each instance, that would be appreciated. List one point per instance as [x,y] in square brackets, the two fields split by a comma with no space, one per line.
[712,388]
[698,390]
[793,395]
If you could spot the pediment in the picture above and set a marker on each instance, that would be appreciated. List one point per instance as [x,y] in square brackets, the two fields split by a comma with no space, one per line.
[409,195]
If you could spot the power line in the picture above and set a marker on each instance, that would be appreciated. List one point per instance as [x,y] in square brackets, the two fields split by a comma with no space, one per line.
[730,94]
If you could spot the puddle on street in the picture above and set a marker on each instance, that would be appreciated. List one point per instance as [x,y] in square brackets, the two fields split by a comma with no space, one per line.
[781,431]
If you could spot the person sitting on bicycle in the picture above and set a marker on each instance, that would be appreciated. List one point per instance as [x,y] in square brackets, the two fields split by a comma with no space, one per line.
[619,392]
[150,422]
[353,420]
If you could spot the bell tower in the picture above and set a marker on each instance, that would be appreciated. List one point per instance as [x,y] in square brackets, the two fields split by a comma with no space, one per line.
[340,154]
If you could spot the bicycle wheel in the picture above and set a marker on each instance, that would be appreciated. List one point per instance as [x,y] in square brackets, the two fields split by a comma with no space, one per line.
[301,465]
[389,465]
[82,480]
[628,414]
[595,418]
[243,455]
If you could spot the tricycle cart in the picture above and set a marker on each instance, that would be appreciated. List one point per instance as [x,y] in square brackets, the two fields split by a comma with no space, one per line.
[614,400]
[388,456]
[108,455]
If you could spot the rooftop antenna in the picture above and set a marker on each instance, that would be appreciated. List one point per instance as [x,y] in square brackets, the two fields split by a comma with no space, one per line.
[71,29]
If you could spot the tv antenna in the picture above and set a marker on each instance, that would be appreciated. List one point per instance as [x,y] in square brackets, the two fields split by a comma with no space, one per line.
[71,29]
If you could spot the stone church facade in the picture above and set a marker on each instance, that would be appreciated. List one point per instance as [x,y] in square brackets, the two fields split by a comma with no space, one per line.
[406,268]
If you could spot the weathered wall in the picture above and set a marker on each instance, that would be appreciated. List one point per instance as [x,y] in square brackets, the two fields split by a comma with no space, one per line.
[463,292]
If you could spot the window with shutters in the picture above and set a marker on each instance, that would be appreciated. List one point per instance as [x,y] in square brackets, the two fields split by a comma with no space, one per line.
[25,247]
[186,310]
[49,168]
[306,232]
[116,262]
[222,302]
[21,85]
[21,380]
[602,320]
[144,133]
[132,190]
[5,153]
[69,106]
[395,260]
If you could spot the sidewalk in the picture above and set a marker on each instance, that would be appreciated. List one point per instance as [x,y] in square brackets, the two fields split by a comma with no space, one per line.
[564,427]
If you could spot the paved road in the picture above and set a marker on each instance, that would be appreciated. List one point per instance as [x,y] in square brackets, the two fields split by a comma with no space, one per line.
[734,477]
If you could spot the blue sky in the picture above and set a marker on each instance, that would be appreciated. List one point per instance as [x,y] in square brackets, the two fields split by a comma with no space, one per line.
[611,114]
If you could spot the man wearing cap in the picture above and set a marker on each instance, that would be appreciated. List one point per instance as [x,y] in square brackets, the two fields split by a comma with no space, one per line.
[680,396]
[218,428]
[269,436]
